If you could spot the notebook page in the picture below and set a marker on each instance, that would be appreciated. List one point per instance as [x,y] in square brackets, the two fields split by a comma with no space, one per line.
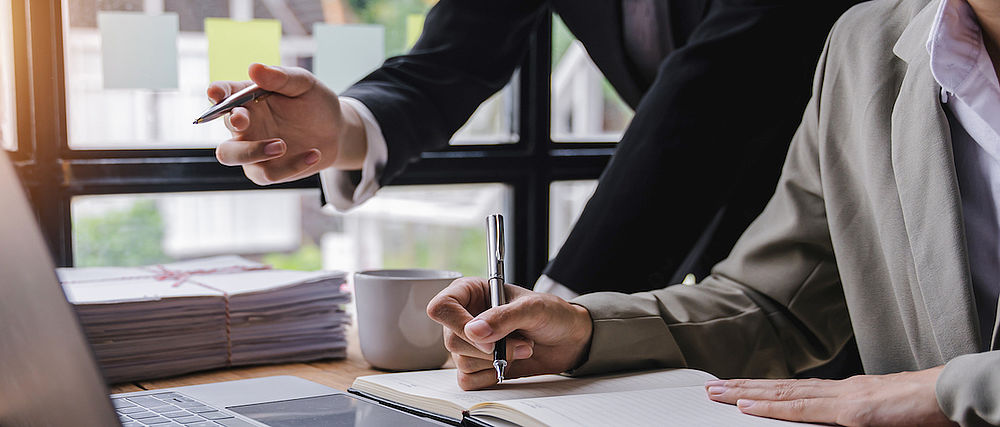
[684,406]
[442,384]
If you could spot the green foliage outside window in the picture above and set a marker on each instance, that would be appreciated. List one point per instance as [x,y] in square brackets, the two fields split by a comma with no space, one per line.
[309,257]
[392,14]
[461,250]
[561,39]
[129,237]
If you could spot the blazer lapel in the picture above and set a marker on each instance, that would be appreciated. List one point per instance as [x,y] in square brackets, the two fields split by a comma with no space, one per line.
[924,169]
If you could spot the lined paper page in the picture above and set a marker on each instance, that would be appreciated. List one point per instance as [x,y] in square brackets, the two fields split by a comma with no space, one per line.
[442,384]
[684,406]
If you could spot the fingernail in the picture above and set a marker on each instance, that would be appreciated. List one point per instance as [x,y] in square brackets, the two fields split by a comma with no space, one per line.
[479,328]
[312,157]
[522,352]
[275,148]
[716,389]
[745,403]
[714,383]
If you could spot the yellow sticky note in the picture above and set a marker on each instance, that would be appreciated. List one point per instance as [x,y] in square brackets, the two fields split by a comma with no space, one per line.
[414,26]
[234,45]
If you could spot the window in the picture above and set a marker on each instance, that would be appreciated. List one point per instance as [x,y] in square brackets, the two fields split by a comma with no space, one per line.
[166,43]
[584,105]
[436,226]
[8,138]
[117,174]
[566,202]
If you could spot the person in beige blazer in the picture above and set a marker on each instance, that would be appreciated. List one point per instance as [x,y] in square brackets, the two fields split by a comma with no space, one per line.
[863,237]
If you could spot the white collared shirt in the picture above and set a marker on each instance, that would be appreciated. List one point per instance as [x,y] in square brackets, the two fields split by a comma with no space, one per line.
[971,94]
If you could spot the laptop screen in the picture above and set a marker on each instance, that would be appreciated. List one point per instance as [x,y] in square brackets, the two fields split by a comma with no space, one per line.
[47,372]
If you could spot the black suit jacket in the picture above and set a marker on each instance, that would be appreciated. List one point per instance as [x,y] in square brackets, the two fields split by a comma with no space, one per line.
[701,156]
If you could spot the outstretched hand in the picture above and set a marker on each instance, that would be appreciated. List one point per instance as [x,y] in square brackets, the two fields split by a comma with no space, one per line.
[301,128]
[547,335]
[901,399]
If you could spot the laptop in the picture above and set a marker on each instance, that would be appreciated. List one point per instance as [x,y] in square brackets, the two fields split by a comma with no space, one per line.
[48,376]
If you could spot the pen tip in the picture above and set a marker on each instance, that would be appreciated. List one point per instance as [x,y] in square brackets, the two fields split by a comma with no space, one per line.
[196,122]
[499,365]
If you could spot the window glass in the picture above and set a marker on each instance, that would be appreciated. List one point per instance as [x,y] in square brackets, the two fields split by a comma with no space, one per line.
[495,122]
[115,99]
[566,202]
[8,136]
[404,227]
[584,105]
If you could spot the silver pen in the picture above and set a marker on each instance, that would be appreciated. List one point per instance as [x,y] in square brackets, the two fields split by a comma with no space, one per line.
[494,254]
[247,94]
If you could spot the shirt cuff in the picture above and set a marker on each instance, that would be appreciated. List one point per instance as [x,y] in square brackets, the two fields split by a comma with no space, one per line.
[968,389]
[339,186]
[548,285]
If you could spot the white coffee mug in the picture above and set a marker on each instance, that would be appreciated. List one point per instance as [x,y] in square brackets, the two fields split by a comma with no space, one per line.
[393,326]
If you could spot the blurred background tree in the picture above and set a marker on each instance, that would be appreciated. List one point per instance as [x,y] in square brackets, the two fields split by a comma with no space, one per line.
[128,237]
[309,257]
[393,14]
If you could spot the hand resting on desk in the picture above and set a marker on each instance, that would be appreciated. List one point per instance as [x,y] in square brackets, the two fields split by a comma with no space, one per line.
[549,335]
[900,399]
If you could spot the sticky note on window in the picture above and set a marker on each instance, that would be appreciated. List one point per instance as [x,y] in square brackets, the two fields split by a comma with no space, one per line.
[234,45]
[138,51]
[346,53]
[414,26]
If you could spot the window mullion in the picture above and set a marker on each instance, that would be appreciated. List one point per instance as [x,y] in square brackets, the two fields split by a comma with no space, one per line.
[42,118]
[531,193]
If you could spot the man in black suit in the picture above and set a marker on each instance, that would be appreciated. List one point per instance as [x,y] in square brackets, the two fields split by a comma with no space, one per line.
[712,82]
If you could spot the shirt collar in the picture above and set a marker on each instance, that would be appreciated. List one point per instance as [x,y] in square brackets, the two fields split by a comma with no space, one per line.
[955,44]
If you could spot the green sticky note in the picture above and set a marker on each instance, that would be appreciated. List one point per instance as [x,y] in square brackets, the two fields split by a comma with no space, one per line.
[414,26]
[234,45]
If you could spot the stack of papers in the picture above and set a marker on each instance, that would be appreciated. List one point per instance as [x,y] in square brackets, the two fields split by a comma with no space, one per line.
[157,321]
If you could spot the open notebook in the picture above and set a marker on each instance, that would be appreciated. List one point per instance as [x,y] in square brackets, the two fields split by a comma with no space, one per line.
[664,397]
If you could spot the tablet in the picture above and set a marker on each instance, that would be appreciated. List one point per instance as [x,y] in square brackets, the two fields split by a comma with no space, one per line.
[335,410]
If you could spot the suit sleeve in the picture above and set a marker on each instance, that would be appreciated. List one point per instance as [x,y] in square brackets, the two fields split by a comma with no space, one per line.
[968,390]
[467,51]
[774,307]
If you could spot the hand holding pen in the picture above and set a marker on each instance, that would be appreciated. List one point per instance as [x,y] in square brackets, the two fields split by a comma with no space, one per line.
[535,333]
[289,127]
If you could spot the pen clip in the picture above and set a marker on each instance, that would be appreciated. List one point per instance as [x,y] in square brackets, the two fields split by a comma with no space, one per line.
[495,246]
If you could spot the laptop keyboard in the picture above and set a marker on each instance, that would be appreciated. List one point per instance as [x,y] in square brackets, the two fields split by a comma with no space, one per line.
[171,409]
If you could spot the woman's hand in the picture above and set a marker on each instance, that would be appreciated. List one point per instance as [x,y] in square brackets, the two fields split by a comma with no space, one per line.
[902,399]
[547,335]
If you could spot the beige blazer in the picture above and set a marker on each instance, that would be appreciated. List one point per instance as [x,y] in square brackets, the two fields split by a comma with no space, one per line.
[863,236]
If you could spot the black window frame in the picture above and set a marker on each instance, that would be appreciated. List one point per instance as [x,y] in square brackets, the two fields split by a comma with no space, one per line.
[53,174]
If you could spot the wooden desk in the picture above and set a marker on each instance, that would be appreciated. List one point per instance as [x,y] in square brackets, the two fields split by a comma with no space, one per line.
[339,374]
